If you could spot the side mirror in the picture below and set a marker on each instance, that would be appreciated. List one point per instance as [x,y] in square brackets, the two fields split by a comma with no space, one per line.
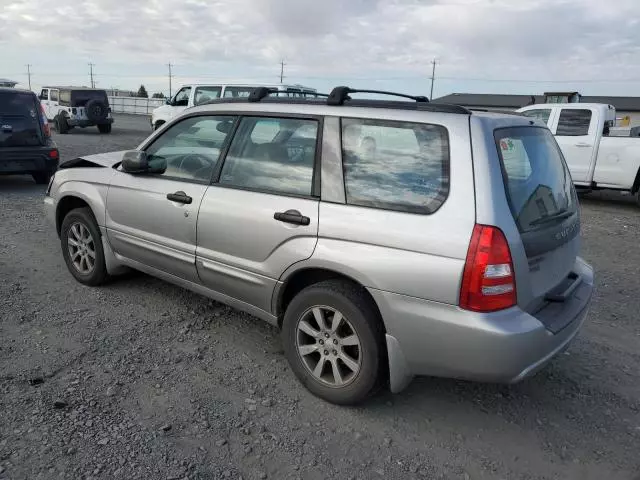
[168,102]
[136,161]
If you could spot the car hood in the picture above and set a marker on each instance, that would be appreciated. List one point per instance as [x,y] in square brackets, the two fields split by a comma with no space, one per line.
[163,110]
[99,160]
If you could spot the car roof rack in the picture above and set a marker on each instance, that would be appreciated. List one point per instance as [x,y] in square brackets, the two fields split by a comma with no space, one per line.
[259,93]
[341,94]
[498,110]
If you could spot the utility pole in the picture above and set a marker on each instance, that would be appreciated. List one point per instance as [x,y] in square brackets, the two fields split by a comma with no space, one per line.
[170,76]
[282,64]
[433,77]
[91,65]
[29,74]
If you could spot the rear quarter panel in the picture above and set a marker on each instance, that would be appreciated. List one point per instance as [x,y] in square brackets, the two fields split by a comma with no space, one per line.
[411,254]
[618,162]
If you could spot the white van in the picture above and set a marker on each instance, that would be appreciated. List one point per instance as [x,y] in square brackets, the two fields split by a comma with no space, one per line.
[198,94]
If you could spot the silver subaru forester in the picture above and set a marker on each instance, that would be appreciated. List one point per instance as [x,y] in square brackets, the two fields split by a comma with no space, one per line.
[385,238]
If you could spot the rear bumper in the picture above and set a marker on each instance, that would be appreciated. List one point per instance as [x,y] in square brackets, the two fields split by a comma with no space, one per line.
[77,122]
[428,338]
[21,160]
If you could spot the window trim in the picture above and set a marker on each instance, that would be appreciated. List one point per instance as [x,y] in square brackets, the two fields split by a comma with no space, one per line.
[591,113]
[317,164]
[446,168]
[223,150]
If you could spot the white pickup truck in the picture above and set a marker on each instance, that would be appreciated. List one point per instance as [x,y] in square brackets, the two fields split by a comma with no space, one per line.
[596,159]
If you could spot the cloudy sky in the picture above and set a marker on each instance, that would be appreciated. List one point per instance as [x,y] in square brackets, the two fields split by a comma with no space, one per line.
[509,46]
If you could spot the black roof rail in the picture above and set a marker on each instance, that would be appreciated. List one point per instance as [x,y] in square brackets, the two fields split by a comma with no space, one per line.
[498,110]
[260,93]
[340,94]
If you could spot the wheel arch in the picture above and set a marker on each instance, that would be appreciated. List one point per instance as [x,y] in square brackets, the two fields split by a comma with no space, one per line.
[295,280]
[78,195]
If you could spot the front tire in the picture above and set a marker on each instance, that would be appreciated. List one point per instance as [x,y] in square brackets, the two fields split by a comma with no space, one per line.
[82,247]
[104,128]
[333,340]
[41,178]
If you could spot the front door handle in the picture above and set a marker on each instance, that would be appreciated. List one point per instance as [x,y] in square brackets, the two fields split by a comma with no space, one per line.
[583,145]
[179,197]
[292,216]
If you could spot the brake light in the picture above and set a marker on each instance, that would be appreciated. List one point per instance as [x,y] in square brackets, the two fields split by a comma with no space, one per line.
[45,123]
[488,281]
[54,154]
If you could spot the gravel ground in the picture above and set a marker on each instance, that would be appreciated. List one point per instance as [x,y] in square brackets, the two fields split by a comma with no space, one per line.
[143,380]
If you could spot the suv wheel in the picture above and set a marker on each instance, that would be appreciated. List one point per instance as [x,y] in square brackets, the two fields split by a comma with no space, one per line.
[61,125]
[104,128]
[82,247]
[41,178]
[332,339]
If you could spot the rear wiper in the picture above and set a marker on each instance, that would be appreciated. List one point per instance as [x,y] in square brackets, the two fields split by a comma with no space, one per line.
[551,218]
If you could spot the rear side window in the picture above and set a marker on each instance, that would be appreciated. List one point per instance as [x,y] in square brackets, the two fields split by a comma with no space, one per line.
[537,179]
[395,165]
[65,97]
[574,122]
[238,92]
[541,114]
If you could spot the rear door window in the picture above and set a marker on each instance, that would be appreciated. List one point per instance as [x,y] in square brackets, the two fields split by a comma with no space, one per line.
[393,165]
[542,114]
[573,122]
[19,120]
[537,180]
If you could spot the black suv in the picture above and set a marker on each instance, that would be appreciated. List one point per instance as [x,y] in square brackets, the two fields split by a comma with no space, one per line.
[25,139]
[69,107]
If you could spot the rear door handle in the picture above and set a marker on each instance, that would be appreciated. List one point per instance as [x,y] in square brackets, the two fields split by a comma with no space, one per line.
[292,216]
[179,197]
[583,145]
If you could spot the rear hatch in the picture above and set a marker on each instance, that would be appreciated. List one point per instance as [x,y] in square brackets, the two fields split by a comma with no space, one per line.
[20,120]
[544,205]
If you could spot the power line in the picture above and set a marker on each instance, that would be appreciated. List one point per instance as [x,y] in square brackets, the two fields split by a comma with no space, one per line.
[170,76]
[91,65]
[282,64]
[433,77]
[29,74]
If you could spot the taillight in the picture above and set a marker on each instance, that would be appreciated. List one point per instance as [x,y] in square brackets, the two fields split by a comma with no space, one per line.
[488,282]
[54,154]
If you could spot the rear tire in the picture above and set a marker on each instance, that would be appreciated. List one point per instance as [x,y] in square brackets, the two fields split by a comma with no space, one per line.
[62,125]
[41,178]
[82,247]
[351,350]
[104,128]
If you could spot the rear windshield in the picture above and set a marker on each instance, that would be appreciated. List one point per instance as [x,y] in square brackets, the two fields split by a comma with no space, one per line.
[537,179]
[80,98]
[19,120]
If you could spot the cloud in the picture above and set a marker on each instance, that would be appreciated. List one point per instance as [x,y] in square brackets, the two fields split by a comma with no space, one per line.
[493,39]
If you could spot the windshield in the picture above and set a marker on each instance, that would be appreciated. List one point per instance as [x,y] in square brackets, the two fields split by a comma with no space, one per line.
[537,179]
[19,120]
